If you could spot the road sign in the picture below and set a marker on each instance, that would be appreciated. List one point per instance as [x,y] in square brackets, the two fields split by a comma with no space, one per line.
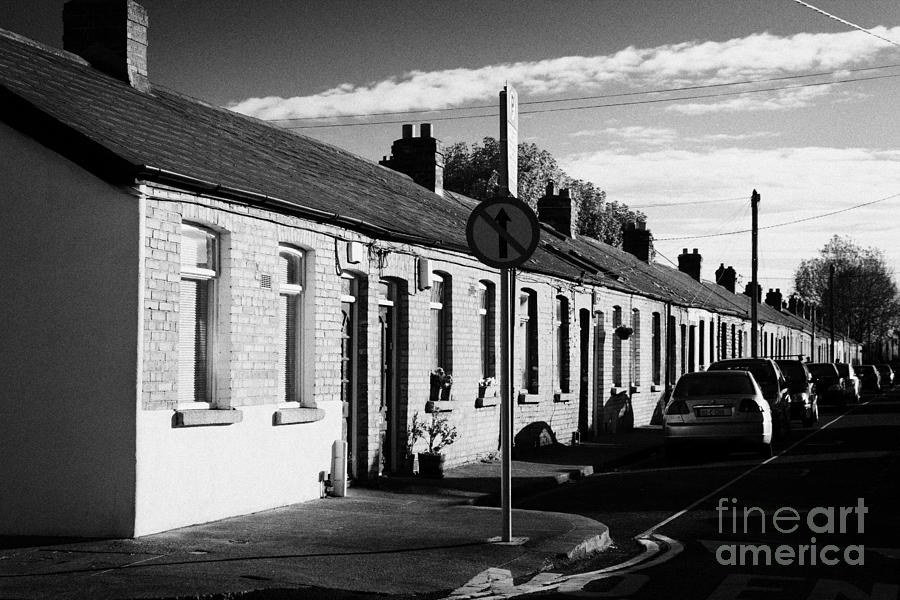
[509,140]
[503,233]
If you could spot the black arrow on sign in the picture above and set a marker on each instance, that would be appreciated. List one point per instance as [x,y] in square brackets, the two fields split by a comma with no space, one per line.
[502,219]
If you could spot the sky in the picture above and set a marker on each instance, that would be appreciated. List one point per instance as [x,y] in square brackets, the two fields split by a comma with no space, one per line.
[817,133]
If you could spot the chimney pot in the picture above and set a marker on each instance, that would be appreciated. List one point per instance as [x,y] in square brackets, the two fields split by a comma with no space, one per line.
[407,130]
[425,130]
[695,251]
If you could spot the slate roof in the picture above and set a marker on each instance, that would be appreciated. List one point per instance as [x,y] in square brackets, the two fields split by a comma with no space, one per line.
[126,135]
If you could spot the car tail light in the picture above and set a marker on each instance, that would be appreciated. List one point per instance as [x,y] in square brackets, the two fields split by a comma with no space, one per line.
[749,406]
[677,407]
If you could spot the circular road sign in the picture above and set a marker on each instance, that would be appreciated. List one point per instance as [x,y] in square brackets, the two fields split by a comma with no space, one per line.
[503,233]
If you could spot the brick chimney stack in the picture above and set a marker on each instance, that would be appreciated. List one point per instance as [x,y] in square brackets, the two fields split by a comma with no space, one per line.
[637,241]
[111,35]
[690,263]
[774,298]
[558,211]
[748,291]
[727,278]
[422,158]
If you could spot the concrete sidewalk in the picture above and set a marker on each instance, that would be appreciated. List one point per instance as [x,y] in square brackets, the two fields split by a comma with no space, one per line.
[537,471]
[373,541]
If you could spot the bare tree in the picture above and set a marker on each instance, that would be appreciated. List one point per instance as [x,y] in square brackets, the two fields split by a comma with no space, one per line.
[866,304]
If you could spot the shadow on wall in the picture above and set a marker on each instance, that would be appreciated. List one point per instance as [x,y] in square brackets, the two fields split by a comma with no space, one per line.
[618,414]
[534,437]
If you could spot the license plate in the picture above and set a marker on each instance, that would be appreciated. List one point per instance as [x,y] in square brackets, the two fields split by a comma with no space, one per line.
[714,411]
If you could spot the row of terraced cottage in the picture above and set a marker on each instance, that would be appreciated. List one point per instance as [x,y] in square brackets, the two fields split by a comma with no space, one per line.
[204,303]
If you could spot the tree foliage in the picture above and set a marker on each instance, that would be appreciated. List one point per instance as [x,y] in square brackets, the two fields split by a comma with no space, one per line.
[475,172]
[866,304]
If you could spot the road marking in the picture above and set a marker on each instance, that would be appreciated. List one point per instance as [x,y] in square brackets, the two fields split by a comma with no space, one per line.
[728,484]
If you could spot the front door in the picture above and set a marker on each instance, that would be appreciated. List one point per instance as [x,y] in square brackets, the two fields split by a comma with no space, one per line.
[349,338]
[390,448]
[584,325]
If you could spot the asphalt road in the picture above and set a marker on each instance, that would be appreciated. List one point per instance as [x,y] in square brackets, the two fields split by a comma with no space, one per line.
[838,488]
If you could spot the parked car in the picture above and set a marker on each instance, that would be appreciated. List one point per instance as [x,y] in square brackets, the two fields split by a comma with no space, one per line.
[870,380]
[830,386]
[725,407]
[772,383]
[852,384]
[804,405]
[887,376]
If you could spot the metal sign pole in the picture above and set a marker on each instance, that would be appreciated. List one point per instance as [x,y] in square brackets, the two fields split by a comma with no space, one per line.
[505,405]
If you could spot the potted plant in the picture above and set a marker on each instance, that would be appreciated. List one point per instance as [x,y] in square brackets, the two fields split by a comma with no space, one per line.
[439,433]
[486,388]
[414,433]
[441,384]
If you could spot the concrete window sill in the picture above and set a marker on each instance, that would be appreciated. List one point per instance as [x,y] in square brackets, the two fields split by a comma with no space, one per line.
[302,414]
[486,401]
[207,417]
[635,389]
[563,397]
[529,398]
[655,388]
[439,406]
[615,391]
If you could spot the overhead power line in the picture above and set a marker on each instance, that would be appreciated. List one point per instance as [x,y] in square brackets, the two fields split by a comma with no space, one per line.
[596,97]
[785,224]
[845,22]
[689,203]
[612,104]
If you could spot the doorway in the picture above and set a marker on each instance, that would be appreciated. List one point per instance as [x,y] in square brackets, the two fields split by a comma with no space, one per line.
[584,330]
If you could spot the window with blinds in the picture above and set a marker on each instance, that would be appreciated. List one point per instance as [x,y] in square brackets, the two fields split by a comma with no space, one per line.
[199,261]
[438,341]
[290,288]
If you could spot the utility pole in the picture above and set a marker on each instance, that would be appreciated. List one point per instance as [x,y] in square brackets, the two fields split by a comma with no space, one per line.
[754,266]
[831,305]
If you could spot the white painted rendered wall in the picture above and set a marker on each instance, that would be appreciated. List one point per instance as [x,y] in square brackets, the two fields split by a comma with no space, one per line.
[198,474]
[69,290]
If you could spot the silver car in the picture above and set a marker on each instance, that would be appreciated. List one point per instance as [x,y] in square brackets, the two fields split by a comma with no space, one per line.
[726,407]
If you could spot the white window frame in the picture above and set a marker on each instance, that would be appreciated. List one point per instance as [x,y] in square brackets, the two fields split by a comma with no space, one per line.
[295,293]
[440,352]
[211,277]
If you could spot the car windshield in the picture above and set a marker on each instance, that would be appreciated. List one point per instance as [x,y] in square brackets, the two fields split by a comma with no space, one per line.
[762,372]
[713,384]
[822,370]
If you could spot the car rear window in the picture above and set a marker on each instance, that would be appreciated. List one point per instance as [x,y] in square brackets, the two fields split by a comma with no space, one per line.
[762,372]
[793,371]
[823,369]
[713,384]
[843,369]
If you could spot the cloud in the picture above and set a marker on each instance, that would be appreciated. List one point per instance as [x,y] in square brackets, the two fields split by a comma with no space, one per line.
[755,56]
[653,136]
[780,100]
[795,183]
